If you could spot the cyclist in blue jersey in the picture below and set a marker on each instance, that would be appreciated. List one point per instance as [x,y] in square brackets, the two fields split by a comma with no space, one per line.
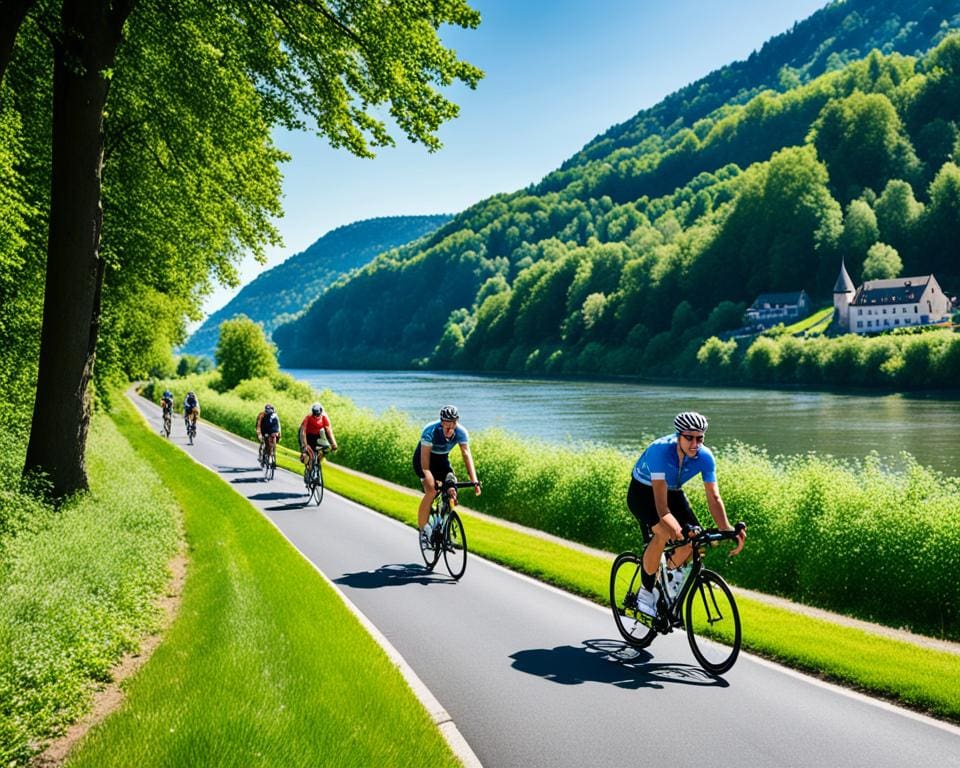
[655,497]
[431,459]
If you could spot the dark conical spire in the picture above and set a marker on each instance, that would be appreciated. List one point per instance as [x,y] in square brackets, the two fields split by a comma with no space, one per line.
[844,283]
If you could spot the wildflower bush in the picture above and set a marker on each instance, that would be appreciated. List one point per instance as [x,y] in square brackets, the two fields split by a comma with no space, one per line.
[874,540]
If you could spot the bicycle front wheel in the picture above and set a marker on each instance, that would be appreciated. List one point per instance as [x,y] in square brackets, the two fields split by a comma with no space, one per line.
[713,623]
[635,626]
[318,492]
[269,465]
[455,546]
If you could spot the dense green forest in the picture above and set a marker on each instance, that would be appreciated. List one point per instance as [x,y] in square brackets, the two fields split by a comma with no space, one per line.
[656,236]
[277,295]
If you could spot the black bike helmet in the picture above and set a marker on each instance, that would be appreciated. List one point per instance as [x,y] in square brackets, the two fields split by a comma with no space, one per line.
[316,409]
[268,408]
[167,394]
[449,413]
[690,420]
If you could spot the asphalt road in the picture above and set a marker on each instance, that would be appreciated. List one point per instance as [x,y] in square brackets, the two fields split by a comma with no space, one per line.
[535,677]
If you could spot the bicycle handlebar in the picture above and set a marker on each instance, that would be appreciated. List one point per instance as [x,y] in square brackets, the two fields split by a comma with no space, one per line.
[702,536]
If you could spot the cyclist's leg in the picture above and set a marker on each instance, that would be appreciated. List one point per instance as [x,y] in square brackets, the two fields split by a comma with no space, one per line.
[641,502]
[680,506]
[423,510]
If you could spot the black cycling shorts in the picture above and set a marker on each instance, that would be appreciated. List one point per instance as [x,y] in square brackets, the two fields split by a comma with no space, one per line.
[314,439]
[641,503]
[439,464]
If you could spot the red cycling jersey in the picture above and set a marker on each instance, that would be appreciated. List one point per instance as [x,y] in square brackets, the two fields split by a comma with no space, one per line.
[313,425]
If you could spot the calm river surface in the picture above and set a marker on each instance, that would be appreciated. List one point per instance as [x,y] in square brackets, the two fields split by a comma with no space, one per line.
[621,414]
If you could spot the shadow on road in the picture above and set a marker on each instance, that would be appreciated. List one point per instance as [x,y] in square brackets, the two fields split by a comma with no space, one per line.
[236,470]
[239,480]
[298,505]
[608,661]
[393,575]
[275,496]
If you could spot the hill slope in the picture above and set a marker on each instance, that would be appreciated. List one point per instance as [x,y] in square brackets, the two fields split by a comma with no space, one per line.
[654,238]
[278,294]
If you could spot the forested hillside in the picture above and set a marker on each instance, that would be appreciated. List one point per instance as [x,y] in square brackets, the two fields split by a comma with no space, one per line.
[278,294]
[656,236]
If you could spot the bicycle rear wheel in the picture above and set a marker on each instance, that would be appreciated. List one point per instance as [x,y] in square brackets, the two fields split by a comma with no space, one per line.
[455,546]
[713,623]
[634,626]
[269,464]
[166,425]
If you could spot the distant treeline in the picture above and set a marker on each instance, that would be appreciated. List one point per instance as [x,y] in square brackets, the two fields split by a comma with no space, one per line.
[625,262]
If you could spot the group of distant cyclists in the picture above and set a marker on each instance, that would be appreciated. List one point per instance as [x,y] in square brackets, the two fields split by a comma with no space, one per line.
[655,496]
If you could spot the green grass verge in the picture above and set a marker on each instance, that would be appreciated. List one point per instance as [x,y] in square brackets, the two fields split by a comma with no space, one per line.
[812,324]
[264,665]
[924,679]
[78,587]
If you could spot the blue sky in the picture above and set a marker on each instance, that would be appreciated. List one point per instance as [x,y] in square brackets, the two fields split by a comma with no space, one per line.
[558,73]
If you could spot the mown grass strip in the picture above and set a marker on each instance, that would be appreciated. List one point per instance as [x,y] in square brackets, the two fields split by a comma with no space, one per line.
[264,665]
[924,679]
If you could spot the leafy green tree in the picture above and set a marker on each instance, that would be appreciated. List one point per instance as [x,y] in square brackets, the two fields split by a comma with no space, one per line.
[860,138]
[882,263]
[898,213]
[243,352]
[941,226]
[292,63]
[859,233]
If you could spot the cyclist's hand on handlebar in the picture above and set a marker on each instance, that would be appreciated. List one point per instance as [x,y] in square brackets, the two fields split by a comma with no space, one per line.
[741,529]
[476,487]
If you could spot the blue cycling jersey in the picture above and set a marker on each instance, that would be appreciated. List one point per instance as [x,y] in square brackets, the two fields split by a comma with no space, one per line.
[433,436]
[660,462]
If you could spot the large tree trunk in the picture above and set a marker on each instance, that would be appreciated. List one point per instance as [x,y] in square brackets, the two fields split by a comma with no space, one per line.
[12,14]
[71,307]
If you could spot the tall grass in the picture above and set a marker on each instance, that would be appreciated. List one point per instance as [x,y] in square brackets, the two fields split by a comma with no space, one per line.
[875,541]
[79,586]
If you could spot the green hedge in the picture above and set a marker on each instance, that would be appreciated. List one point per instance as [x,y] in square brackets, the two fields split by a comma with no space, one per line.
[874,541]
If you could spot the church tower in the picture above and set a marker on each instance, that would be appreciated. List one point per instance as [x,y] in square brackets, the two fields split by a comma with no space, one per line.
[842,295]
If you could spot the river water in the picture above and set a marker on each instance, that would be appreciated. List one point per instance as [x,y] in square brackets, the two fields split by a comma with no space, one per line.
[624,414]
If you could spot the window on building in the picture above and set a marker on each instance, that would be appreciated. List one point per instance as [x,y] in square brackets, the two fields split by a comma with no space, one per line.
[859,323]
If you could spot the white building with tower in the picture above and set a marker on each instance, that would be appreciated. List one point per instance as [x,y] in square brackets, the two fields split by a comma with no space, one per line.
[881,305]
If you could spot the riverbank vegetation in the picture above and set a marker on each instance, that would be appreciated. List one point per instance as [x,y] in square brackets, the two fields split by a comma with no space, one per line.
[900,360]
[830,533]
[631,255]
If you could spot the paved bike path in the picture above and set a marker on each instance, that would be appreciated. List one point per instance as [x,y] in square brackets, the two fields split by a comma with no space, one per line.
[535,677]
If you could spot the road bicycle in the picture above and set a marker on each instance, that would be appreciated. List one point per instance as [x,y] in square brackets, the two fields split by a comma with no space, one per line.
[191,420]
[268,457]
[313,475]
[693,598]
[447,534]
[167,423]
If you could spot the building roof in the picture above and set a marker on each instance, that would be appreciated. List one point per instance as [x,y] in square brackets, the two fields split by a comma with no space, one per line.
[844,283]
[902,290]
[777,299]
